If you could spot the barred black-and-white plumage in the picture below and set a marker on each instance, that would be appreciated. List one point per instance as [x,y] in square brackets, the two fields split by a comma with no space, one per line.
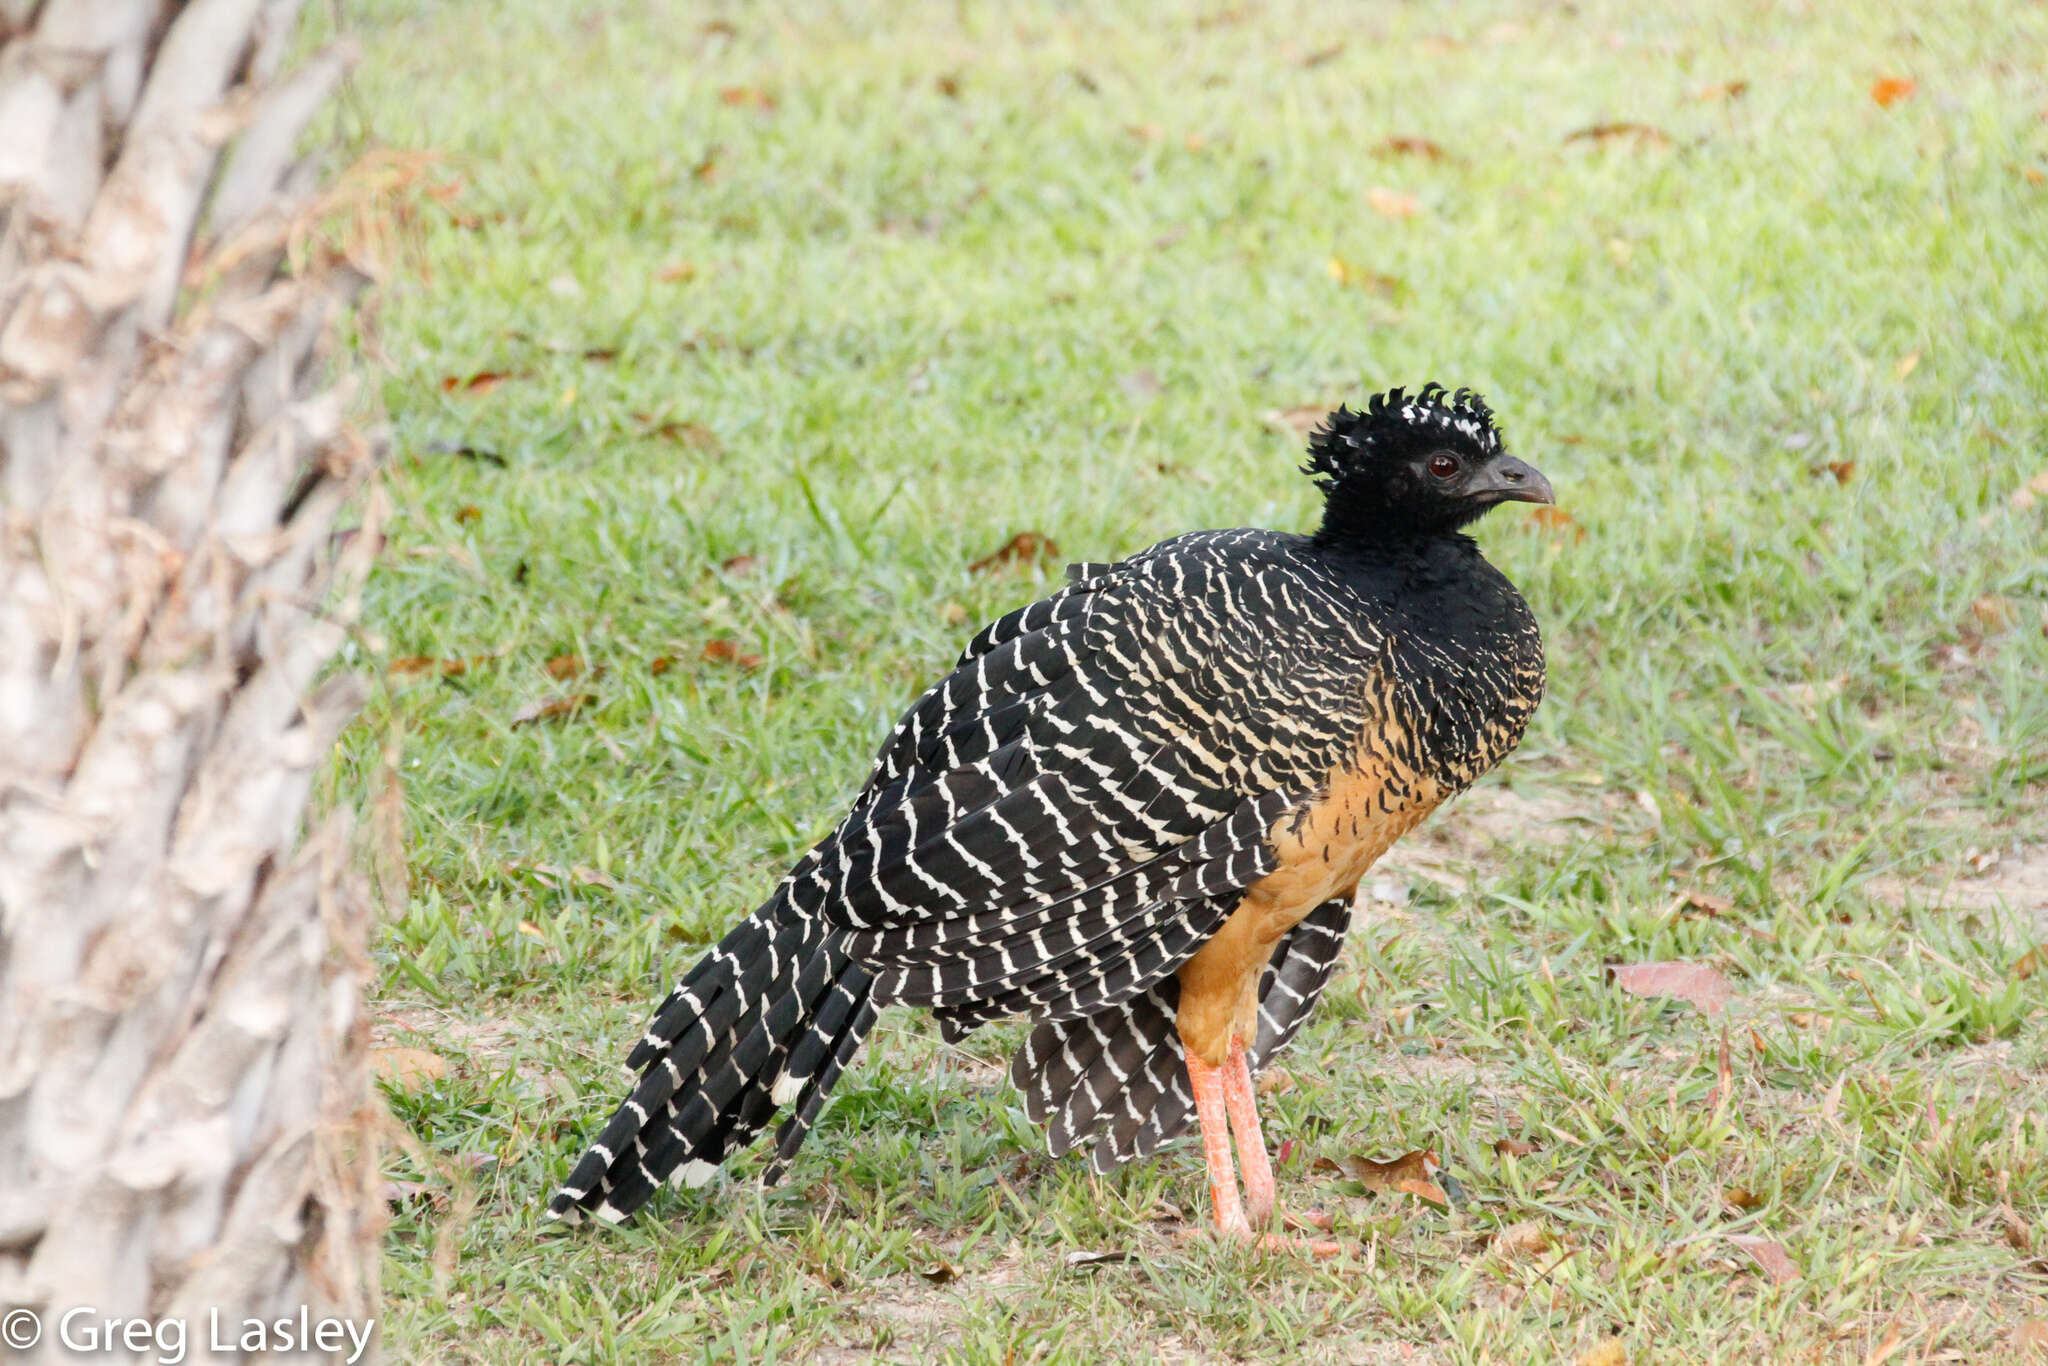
[1060,822]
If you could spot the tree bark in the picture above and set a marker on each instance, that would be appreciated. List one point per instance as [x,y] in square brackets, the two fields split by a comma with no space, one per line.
[186,1135]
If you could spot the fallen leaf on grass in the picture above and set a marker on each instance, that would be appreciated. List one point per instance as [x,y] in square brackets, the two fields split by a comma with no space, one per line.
[1302,418]
[1525,1239]
[447,668]
[1392,203]
[1351,275]
[1513,1147]
[1741,1197]
[1721,90]
[1769,1255]
[555,709]
[1696,984]
[2027,964]
[482,382]
[1094,1259]
[1644,135]
[408,1069]
[1889,90]
[739,564]
[693,434]
[1706,903]
[1321,55]
[1553,518]
[725,652]
[1993,613]
[1275,1081]
[1414,1173]
[1020,548]
[1146,132]
[1606,1352]
[676,272]
[2018,1236]
[468,513]
[747,97]
[564,666]
[1906,365]
[2035,175]
[1410,147]
[2032,1336]
[940,1272]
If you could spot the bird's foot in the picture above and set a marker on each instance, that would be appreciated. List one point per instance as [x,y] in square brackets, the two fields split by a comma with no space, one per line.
[1240,1231]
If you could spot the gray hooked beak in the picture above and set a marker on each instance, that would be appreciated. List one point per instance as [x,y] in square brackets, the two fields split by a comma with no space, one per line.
[1508,480]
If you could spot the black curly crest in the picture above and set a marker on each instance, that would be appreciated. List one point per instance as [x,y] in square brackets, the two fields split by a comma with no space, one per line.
[1396,424]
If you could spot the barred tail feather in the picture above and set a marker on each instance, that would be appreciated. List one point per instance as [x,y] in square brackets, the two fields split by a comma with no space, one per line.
[760,1022]
[1115,1082]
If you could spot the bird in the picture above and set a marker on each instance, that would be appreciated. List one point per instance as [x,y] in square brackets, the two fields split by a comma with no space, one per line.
[1134,814]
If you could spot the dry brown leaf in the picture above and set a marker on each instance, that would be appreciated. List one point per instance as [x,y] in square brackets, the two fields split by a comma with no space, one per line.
[447,668]
[1410,147]
[469,513]
[747,97]
[1706,903]
[1696,984]
[1643,134]
[676,272]
[1392,203]
[1412,1173]
[739,564]
[2031,1335]
[1606,1352]
[1993,613]
[949,86]
[693,434]
[1769,1255]
[1146,132]
[1275,1081]
[2027,964]
[409,1069]
[1301,419]
[661,664]
[1886,1347]
[1741,1197]
[940,1272]
[1321,55]
[1093,1259]
[1722,90]
[707,169]
[1354,276]
[725,652]
[564,666]
[1526,1239]
[1906,364]
[953,614]
[1889,90]
[2018,1236]
[1513,1147]
[1550,517]
[482,382]
[554,709]
[1021,548]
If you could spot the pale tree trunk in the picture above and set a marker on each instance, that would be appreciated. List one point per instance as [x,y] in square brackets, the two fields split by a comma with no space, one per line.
[183,1098]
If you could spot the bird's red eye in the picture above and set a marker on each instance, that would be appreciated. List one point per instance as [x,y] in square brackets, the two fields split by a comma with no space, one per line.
[1443,466]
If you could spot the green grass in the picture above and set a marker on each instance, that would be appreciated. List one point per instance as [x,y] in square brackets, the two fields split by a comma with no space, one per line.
[984,269]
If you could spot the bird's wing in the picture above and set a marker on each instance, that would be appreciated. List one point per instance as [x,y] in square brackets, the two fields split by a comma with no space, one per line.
[1059,822]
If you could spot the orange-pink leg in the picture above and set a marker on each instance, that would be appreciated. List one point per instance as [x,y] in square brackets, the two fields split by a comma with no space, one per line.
[1240,1102]
[1224,1101]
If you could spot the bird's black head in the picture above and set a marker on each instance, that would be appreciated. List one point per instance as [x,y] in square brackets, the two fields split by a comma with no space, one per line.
[1414,465]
